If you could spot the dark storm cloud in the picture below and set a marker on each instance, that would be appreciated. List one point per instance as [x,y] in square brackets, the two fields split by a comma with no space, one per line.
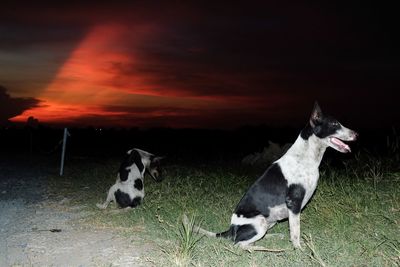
[13,106]
[259,50]
[24,25]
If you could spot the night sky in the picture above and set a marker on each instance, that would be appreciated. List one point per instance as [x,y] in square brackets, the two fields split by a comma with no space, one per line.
[205,65]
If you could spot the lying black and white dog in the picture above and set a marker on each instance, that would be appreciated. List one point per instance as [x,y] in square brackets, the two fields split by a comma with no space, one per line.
[128,190]
[287,185]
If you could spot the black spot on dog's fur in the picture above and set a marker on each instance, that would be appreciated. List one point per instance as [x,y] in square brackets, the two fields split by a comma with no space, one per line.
[137,159]
[294,198]
[323,128]
[268,191]
[239,233]
[122,199]
[136,202]
[320,125]
[326,127]
[227,234]
[123,171]
[130,159]
[243,232]
[138,184]
[306,132]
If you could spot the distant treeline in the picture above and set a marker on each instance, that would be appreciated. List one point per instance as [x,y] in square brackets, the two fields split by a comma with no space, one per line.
[207,144]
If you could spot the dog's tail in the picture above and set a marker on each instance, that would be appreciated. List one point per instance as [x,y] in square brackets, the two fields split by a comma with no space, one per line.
[197,229]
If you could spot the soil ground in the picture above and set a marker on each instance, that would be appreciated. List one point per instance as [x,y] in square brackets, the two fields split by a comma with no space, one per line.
[39,229]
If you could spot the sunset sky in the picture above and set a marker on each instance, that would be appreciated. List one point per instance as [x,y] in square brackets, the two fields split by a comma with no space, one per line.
[180,64]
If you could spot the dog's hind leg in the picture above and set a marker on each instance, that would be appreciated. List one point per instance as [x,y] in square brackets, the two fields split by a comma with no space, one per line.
[110,197]
[104,205]
[260,228]
[249,246]
[247,234]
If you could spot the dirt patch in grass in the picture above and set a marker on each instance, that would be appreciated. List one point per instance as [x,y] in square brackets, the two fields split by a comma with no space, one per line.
[39,229]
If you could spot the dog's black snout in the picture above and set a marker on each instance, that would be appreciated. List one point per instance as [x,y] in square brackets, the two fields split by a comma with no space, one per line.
[355,135]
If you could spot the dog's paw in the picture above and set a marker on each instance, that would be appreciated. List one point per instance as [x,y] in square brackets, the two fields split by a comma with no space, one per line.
[101,206]
[297,245]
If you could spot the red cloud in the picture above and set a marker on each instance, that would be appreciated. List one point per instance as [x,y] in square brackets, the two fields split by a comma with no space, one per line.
[90,80]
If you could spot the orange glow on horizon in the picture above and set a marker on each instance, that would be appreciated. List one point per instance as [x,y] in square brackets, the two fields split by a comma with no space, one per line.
[61,112]
[86,80]
[91,80]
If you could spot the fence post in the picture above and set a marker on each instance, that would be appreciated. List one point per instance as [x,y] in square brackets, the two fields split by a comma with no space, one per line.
[66,134]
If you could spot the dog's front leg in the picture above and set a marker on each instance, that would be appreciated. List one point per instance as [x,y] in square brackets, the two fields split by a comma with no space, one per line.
[294,226]
[294,198]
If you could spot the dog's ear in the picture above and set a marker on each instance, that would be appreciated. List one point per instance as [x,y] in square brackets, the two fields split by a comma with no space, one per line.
[157,159]
[316,115]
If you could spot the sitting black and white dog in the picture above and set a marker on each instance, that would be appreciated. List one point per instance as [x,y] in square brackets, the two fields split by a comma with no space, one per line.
[128,190]
[287,185]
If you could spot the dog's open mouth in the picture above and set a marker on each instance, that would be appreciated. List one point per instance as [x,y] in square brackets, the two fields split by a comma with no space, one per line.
[339,145]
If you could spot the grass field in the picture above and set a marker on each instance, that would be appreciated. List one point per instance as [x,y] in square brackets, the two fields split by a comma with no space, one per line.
[352,220]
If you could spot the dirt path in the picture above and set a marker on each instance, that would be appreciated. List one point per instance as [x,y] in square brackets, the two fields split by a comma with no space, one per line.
[28,216]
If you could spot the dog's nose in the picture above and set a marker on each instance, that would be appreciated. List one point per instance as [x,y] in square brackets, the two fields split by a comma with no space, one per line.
[355,135]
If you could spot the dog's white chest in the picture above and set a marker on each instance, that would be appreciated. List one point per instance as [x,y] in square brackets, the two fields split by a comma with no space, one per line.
[300,171]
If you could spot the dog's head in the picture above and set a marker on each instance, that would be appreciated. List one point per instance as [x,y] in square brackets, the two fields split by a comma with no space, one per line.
[330,131]
[145,162]
[154,169]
